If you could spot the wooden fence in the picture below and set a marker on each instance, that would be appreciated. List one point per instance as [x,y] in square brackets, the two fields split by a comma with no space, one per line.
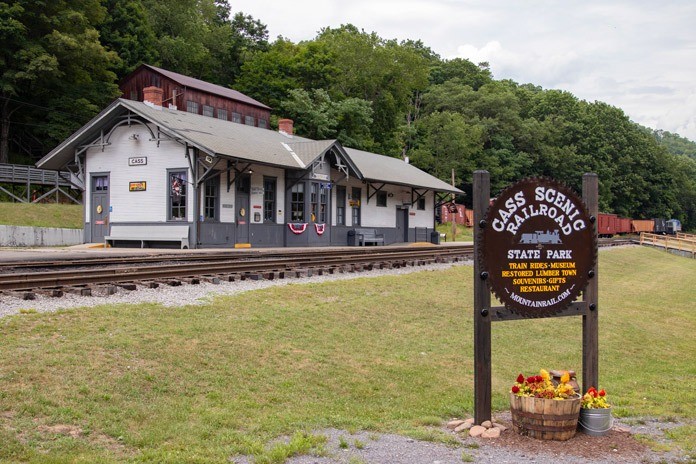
[681,242]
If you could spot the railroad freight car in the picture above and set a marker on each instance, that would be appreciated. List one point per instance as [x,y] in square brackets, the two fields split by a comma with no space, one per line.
[623,226]
[607,224]
[660,226]
[642,225]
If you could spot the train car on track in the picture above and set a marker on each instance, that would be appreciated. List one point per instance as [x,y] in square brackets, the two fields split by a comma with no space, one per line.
[642,225]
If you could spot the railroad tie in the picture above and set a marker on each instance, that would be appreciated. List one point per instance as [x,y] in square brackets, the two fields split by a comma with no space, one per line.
[81,291]
[51,292]
[127,286]
[104,290]
[23,295]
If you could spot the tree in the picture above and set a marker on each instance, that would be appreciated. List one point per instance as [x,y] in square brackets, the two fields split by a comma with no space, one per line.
[318,117]
[55,72]
[127,31]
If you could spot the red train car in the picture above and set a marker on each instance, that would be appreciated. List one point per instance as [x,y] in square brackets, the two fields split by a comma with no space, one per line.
[623,226]
[463,215]
[607,224]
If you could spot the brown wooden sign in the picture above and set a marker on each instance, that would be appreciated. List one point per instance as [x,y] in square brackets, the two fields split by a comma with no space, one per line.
[537,247]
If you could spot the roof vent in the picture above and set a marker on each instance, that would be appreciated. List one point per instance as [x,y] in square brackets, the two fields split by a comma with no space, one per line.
[285,126]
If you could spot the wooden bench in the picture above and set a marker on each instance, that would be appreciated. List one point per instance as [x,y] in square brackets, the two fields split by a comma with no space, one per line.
[149,233]
[365,236]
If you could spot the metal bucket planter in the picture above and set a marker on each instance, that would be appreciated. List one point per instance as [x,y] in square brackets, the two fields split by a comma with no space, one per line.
[595,422]
[545,419]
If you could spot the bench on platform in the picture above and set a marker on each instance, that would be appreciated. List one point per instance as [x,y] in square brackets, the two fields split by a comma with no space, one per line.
[149,233]
[362,237]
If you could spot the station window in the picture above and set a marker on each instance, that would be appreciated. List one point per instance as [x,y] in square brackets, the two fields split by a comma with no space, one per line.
[192,106]
[177,195]
[297,205]
[340,206]
[236,117]
[382,199]
[100,183]
[421,204]
[249,120]
[269,199]
[134,95]
[355,206]
[262,123]
[323,203]
[222,114]
[208,111]
[314,201]
[210,199]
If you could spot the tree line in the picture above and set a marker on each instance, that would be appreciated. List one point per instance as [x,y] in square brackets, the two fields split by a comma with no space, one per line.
[61,63]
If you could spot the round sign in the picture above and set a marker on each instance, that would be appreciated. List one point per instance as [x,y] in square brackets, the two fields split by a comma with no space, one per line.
[538,247]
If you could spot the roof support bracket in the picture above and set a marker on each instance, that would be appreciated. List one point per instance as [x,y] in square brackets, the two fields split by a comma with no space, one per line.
[375,190]
[416,195]
[237,172]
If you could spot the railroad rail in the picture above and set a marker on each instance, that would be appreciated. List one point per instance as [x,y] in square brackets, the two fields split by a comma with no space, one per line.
[98,276]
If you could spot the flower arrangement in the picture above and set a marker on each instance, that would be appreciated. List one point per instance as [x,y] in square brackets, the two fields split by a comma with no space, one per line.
[594,399]
[540,386]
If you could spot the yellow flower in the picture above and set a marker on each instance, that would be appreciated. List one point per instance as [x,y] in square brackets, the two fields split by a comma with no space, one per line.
[545,375]
[565,378]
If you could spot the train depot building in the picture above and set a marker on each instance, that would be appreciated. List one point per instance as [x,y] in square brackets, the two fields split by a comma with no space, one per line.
[215,175]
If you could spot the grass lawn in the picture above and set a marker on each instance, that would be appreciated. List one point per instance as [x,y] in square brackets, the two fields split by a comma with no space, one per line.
[464,234]
[144,383]
[41,215]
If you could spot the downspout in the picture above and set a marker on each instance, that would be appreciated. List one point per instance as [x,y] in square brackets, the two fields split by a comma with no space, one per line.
[193,164]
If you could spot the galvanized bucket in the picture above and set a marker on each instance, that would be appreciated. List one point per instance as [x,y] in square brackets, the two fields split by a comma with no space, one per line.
[595,422]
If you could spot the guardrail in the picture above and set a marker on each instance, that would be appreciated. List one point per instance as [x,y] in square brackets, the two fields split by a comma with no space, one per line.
[18,174]
[681,242]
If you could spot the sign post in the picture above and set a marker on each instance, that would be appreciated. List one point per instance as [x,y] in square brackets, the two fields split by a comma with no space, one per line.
[536,250]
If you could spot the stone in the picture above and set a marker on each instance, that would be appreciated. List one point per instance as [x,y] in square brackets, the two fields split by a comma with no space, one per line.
[499,426]
[462,427]
[488,424]
[476,431]
[491,433]
[454,424]
[469,421]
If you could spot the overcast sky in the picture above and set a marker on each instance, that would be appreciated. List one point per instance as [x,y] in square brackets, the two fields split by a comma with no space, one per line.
[637,55]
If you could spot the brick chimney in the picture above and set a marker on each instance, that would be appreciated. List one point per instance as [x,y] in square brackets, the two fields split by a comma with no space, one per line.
[153,95]
[285,126]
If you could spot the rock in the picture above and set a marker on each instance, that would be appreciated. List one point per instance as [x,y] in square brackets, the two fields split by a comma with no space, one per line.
[454,424]
[488,424]
[499,426]
[469,421]
[476,431]
[462,427]
[491,433]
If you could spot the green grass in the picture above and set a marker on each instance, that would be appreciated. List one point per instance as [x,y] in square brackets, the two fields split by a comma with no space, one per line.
[464,234]
[144,383]
[41,215]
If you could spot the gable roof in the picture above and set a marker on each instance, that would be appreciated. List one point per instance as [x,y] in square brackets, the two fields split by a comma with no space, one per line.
[247,143]
[198,84]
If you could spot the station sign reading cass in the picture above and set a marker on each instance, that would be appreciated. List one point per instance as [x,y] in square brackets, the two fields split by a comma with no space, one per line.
[538,247]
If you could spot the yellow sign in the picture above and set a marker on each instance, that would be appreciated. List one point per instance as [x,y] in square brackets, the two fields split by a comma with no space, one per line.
[139,186]
[99,209]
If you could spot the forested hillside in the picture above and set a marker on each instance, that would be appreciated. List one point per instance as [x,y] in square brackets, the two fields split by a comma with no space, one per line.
[61,62]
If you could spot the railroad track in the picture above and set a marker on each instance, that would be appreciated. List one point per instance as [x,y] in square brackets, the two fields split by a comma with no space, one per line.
[106,275]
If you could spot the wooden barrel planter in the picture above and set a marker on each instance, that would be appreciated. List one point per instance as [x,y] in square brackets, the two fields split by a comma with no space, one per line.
[543,418]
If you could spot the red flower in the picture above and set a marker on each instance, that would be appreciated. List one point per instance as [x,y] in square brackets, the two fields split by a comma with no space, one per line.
[602,392]
[531,379]
[592,390]
[520,378]
[538,378]
[515,389]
